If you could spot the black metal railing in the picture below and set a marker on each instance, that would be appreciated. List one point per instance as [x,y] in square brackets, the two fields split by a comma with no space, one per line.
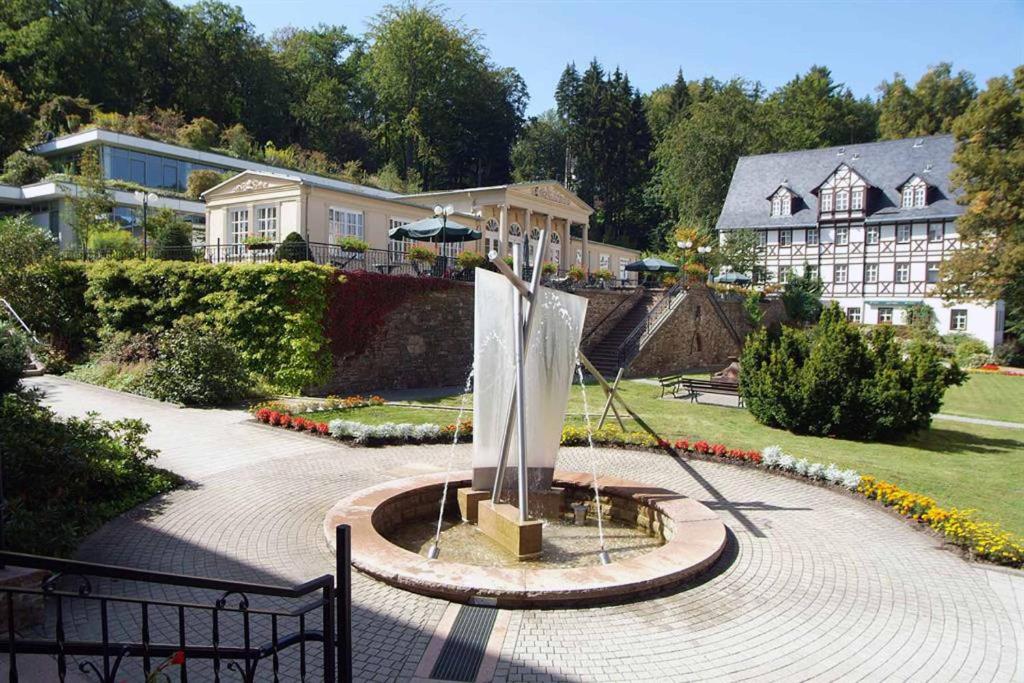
[631,345]
[220,631]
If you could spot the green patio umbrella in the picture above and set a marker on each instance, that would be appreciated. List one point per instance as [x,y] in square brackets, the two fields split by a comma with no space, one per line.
[733,278]
[437,229]
[652,265]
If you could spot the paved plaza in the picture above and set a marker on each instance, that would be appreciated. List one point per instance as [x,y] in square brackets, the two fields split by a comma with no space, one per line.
[814,583]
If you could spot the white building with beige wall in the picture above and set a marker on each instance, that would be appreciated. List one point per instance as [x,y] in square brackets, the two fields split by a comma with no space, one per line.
[322,211]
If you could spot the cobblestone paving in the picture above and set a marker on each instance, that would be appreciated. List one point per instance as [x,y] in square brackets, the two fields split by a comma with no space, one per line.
[815,584]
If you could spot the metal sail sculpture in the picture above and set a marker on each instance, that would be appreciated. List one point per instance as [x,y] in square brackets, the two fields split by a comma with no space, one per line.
[525,352]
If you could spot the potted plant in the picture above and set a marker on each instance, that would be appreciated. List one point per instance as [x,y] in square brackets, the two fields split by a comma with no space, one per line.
[421,257]
[548,269]
[576,273]
[604,276]
[351,244]
[257,243]
[469,260]
[695,272]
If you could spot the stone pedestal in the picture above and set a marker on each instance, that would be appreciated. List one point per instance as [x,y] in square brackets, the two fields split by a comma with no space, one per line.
[469,499]
[546,504]
[501,523]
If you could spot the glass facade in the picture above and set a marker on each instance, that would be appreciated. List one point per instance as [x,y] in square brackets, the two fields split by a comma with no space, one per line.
[150,170]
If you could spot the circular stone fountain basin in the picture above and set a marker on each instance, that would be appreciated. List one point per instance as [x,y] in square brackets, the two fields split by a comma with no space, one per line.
[691,538]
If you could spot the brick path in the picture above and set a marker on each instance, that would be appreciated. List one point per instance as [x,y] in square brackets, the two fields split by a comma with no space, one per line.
[816,584]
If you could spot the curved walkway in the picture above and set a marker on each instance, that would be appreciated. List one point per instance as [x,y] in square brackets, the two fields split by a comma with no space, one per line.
[817,584]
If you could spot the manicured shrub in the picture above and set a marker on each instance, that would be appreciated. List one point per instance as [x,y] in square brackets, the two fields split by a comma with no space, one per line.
[50,297]
[197,366]
[64,477]
[801,297]
[23,168]
[968,350]
[171,236]
[294,249]
[13,357]
[834,381]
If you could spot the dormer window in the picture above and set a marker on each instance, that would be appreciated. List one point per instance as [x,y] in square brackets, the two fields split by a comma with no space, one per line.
[842,200]
[914,193]
[857,199]
[843,192]
[826,201]
[782,202]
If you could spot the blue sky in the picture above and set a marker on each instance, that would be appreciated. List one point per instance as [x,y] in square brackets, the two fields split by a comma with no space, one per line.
[863,42]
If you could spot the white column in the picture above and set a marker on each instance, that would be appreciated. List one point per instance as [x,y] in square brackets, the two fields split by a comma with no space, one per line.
[586,246]
[547,228]
[502,229]
[528,257]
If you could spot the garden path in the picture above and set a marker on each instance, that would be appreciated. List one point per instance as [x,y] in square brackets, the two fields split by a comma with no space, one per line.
[814,584]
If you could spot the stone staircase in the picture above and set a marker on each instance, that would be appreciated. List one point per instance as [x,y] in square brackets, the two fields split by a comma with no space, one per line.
[605,354]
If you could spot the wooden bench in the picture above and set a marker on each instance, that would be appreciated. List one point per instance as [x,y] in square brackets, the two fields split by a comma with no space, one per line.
[670,383]
[696,387]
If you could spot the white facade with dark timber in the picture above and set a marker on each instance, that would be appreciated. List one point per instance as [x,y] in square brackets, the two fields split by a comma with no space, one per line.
[874,221]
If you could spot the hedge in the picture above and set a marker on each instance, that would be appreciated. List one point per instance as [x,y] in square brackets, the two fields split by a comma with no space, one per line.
[273,313]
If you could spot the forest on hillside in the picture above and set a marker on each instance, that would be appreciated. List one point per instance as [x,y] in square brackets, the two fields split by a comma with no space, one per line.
[417,103]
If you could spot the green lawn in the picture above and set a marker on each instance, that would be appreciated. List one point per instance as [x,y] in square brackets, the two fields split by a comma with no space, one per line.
[960,465]
[996,397]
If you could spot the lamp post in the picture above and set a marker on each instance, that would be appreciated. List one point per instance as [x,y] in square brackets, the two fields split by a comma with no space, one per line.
[145,198]
[443,212]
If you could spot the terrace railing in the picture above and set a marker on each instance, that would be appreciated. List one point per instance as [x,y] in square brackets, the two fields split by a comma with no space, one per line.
[113,624]
[384,261]
[631,345]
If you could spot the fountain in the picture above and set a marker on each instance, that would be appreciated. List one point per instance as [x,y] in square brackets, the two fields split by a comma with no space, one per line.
[520,532]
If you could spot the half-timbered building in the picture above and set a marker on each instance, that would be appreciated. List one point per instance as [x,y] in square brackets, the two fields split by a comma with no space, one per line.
[874,221]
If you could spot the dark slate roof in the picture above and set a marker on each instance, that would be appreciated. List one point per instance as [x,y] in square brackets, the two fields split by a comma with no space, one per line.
[886,165]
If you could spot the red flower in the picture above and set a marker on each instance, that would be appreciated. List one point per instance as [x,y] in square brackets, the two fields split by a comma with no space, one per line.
[178,658]
[682,445]
[702,447]
[285,420]
[322,427]
[718,449]
[663,444]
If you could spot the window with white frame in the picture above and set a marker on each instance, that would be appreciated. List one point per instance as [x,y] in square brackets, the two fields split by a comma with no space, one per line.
[853,314]
[840,274]
[266,222]
[902,272]
[397,249]
[785,274]
[903,233]
[842,236]
[812,235]
[842,200]
[935,232]
[871,273]
[623,275]
[811,271]
[344,223]
[491,240]
[958,319]
[857,199]
[515,236]
[932,272]
[762,238]
[239,225]
[605,262]
[782,203]
[579,257]
[785,238]
[555,249]
[915,194]
[826,202]
[872,234]
[885,316]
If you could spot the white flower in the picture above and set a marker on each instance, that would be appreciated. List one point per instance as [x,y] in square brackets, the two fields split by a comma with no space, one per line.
[851,479]
[801,467]
[816,470]
[786,462]
[771,455]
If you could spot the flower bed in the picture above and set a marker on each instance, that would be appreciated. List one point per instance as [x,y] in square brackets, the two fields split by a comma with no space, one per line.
[981,539]
[993,369]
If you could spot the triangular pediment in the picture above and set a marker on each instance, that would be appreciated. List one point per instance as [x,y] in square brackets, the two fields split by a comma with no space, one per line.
[250,181]
[552,192]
